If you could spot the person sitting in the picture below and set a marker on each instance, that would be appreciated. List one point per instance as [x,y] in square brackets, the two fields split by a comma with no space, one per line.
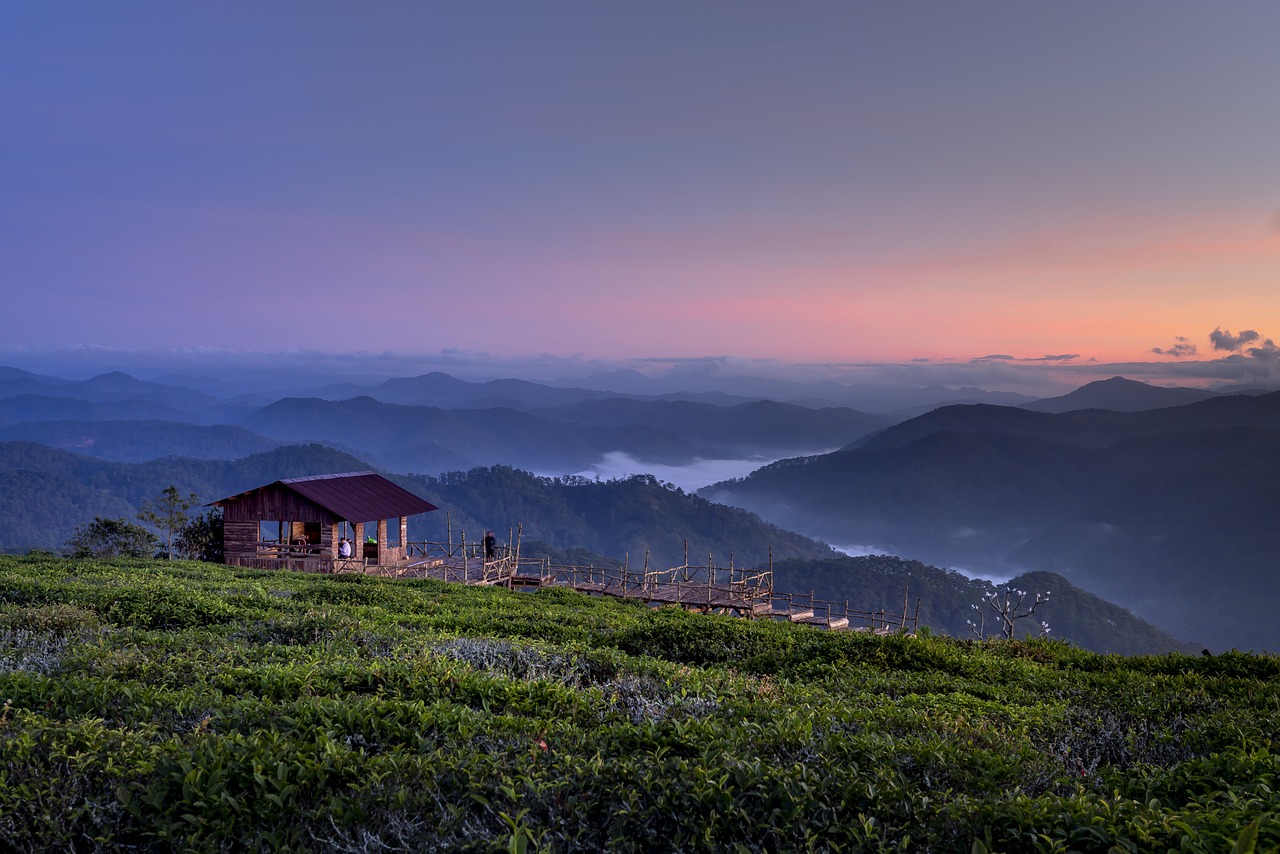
[344,548]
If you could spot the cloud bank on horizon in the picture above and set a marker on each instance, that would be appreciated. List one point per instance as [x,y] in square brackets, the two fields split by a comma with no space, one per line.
[868,189]
[1041,376]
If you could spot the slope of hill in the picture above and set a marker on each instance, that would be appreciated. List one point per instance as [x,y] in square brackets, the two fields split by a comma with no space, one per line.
[429,439]
[390,434]
[1092,427]
[1140,507]
[111,386]
[946,599]
[36,407]
[52,491]
[155,706]
[759,427]
[617,518]
[712,378]
[1120,395]
[49,491]
[136,441]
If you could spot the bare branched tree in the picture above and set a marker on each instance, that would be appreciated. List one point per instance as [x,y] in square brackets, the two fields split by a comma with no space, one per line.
[1008,604]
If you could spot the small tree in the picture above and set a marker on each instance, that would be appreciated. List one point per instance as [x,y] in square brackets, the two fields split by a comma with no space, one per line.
[1008,606]
[201,537]
[104,538]
[168,512]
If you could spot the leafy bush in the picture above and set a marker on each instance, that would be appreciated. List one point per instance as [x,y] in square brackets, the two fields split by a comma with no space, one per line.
[105,538]
[175,705]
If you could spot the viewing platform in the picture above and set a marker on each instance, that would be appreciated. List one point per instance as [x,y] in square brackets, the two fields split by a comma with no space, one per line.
[302,524]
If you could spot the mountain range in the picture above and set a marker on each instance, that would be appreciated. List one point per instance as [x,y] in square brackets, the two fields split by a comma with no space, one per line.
[1133,492]
[431,423]
[1142,508]
[47,492]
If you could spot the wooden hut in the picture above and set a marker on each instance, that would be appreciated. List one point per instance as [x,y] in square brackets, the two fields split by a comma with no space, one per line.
[298,522]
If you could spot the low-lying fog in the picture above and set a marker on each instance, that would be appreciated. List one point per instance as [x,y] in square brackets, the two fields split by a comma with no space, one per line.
[700,473]
[690,478]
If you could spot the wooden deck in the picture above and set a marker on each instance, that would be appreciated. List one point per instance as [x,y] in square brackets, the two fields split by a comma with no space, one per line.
[706,588]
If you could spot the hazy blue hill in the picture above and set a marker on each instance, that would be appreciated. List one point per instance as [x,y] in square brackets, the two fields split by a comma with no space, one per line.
[38,407]
[10,373]
[1091,427]
[385,431]
[745,428]
[1095,429]
[428,456]
[866,397]
[111,386]
[1190,545]
[524,394]
[435,389]
[15,382]
[948,497]
[1120,395]
[212,386]
[136,441]
[442,390]
[1180,495]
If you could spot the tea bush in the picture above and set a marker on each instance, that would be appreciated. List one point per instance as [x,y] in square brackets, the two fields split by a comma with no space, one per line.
[172,705]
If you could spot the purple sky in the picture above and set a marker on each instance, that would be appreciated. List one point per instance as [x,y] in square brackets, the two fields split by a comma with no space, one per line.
[834,184]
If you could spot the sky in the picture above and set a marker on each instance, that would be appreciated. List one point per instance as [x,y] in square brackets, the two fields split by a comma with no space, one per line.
[956,191]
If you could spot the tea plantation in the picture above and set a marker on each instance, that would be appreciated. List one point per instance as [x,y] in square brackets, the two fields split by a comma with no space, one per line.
[185,706]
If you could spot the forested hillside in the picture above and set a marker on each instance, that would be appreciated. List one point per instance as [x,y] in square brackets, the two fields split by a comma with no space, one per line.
[53,491]
[575,520]
[615,518]
[946,601]
[138,441]
[1140,508]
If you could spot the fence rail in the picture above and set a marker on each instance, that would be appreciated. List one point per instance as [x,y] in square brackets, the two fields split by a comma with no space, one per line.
[709,588]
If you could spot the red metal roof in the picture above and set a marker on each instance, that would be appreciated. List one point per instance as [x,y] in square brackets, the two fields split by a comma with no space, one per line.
[360,496]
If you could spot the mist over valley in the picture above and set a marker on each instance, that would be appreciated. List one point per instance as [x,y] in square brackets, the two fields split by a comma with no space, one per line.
[1131,491]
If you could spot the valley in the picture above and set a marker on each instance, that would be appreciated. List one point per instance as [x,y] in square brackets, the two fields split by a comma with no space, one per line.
[1133,503]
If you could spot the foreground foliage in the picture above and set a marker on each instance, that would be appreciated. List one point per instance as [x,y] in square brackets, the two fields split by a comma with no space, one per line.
[189,706]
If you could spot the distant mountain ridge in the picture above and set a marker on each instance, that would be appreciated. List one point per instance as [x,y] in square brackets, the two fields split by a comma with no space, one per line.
[1120,395]
[1139,507]
[431,440]
[138,441]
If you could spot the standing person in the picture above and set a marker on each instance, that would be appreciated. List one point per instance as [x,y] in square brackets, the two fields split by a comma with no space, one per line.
[490,546]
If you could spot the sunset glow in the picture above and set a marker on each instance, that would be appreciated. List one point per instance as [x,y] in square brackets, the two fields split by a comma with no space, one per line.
[857,184]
